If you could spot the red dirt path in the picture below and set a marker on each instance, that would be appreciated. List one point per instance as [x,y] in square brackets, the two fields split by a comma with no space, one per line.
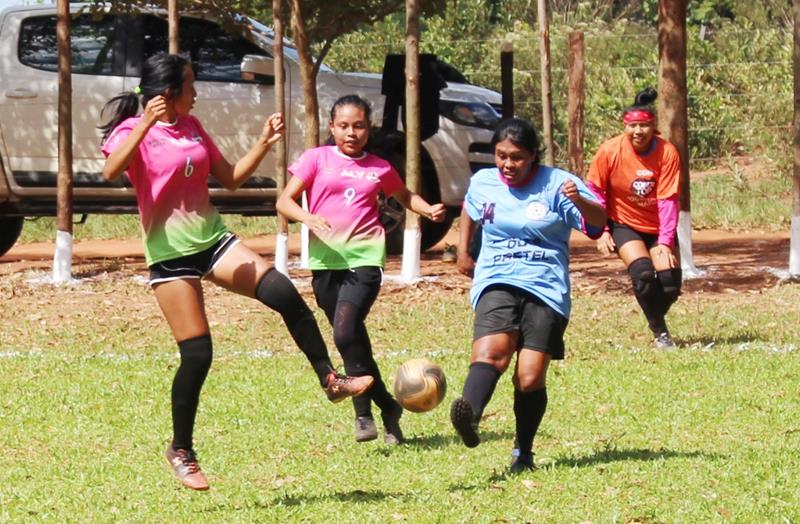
[734,262]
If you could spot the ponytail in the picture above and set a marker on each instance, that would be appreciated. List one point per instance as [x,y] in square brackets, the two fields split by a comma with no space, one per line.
[162,75]
[121,107]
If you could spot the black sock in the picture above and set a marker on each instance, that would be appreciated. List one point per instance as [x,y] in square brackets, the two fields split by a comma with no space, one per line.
[479,386]
[277,292]
[196,356]
[529,408]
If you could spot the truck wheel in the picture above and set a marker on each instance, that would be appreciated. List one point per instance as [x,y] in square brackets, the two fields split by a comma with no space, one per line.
[10,228]
[393,216]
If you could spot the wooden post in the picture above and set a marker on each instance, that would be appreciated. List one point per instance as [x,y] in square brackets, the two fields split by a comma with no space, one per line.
[576,101]
[794,246]
[673,109]
[547,96]
[62,260]
[412,237]
[172,17]
[507,78]
[282,240]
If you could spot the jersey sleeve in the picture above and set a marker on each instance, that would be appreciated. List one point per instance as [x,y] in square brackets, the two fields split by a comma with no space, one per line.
[600,170]
[570,213]
[214,154]
[305,167]
[391,182]
[471,204]
[117,136]
[669,177]
[667,220]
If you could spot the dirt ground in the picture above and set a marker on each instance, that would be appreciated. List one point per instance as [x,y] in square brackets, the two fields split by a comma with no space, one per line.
[732,262]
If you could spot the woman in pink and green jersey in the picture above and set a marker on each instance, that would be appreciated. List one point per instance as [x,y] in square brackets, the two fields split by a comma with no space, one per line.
[168,157]
[347,249]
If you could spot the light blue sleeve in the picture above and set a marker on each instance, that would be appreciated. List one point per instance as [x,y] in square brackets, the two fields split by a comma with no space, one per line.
[471,205]
[569,213]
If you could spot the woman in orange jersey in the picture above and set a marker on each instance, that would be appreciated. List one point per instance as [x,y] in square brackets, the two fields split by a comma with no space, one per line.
[636,176]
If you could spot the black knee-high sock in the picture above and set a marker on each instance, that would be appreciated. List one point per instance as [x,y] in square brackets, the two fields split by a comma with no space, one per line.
[649,293]
[529,408]
[277,292]
[479,386]
[353,341]
[196,356]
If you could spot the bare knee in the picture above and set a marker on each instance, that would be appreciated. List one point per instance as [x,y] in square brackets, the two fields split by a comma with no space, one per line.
[527,381]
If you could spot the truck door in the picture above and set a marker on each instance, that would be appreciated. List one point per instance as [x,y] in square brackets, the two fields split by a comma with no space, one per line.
[29,101]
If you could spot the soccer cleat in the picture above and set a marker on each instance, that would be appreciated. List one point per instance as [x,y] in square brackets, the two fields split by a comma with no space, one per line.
[393,435]
[664,341]
[520,462]
[342,386]
[463,420]
[184,465]
[365,429]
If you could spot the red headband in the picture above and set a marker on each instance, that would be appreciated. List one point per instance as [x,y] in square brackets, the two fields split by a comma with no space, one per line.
[638,115]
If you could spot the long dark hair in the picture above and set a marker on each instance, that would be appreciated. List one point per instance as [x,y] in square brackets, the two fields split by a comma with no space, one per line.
[643,101]
[160,73]
[521,133]
[352,100]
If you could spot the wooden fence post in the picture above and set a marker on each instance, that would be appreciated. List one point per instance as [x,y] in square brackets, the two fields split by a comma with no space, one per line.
[576,102]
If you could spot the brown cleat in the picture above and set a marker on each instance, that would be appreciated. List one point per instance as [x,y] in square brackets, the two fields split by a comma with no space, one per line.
[341,387]
[184,465]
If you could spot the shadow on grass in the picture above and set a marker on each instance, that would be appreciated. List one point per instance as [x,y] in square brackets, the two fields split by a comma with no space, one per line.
[718,340]
[441,441]
[604,456]
[357,495]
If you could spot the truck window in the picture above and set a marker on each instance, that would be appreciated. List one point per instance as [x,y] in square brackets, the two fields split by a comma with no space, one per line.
[216,55]
[92,43]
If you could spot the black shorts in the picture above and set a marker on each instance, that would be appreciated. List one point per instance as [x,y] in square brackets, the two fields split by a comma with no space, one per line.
[359,286]
[502,309]
[623,234]
[192,266]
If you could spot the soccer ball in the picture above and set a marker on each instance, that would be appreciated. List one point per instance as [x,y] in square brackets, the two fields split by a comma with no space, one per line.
[419,385]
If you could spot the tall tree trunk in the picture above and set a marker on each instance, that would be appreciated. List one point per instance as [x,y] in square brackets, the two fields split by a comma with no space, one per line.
[412,238]
[282,240]
[307,73]
[547,94]
[172,16]
[62,262]
[794,247]
[672,109]
[575,102]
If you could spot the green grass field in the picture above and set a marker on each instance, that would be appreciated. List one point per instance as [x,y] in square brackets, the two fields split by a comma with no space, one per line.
[708,433]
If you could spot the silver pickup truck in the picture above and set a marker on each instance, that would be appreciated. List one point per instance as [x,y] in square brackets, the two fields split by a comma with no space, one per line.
[107,52]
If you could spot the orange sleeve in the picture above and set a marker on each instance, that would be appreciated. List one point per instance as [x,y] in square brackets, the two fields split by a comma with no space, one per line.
[599,170]
[670,175]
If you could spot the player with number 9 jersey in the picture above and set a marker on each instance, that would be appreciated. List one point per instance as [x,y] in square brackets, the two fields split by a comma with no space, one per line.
[348,245]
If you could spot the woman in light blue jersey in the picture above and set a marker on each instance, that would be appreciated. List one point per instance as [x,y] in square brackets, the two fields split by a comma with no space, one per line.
[520,289]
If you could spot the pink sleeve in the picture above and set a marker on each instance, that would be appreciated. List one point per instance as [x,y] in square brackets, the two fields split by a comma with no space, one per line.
[667,220]
[214,154]
[391,182]
[305,167]
[600,193]
[117,136]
